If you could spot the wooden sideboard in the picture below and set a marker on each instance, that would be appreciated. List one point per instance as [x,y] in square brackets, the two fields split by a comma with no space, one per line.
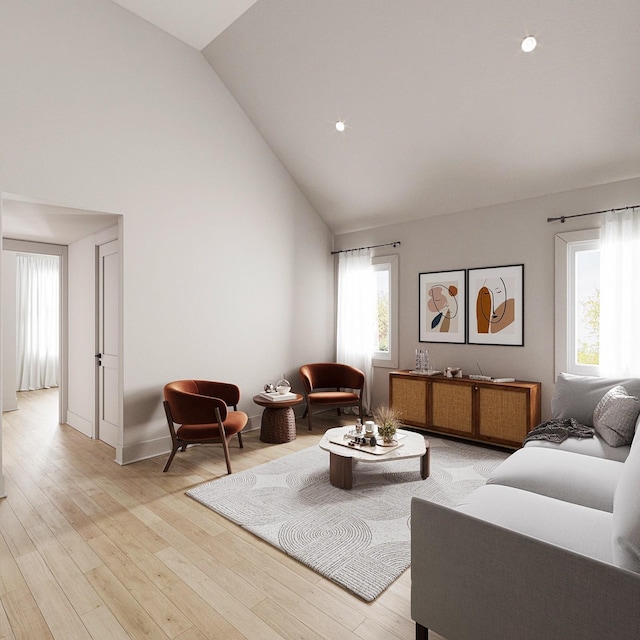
[496,412]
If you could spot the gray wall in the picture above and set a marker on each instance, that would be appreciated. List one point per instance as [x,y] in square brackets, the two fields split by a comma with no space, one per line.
[510,233]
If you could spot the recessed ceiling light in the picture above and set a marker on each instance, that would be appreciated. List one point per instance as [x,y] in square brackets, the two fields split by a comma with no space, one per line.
[529,44]
[340,126]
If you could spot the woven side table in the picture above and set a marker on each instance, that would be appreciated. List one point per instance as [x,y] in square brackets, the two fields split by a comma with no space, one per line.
[278,420]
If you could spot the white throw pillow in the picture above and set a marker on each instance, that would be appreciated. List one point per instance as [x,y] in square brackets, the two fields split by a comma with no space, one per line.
[614,418]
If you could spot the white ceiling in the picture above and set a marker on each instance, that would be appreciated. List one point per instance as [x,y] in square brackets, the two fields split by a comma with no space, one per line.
[444,112]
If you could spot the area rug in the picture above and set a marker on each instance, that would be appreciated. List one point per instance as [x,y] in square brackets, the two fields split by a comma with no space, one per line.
[358,538]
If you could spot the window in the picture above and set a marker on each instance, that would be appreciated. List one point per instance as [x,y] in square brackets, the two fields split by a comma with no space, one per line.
[578,302]
[382,308]
[386,271]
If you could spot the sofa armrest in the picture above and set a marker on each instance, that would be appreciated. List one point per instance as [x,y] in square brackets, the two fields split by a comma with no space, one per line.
[474,579]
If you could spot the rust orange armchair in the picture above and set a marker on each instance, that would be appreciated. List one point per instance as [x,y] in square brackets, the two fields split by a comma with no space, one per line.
[201,410]
[330,384]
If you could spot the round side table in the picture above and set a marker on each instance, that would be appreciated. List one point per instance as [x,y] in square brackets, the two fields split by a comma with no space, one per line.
[278,420]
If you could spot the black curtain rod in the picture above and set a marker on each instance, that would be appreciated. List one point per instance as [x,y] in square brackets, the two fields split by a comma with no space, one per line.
[592,213]
[373,246]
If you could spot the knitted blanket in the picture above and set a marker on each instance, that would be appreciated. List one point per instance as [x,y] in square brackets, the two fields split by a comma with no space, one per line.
[559,429]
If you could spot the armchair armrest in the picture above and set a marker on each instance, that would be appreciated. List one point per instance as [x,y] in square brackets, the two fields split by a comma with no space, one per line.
[189,408]
[229,393]
[474,579]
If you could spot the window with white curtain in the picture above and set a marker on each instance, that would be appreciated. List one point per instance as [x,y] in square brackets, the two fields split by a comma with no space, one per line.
[356,331]
[37,321]
[597,306]
[367,313]
[620,302]
[385,353]
[578,302]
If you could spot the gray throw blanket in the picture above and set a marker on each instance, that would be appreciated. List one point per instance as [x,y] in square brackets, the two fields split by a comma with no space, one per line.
[559,429]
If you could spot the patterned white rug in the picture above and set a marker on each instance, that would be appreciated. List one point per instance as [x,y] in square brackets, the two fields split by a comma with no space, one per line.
[359,538]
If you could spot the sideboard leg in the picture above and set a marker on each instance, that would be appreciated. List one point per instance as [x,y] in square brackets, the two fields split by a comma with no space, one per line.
[422,633]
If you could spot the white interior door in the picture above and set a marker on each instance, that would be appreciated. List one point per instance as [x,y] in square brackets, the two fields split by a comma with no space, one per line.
[108,344]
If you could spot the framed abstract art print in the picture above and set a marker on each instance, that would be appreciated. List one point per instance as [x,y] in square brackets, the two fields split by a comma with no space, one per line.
[496,305]
[442,299]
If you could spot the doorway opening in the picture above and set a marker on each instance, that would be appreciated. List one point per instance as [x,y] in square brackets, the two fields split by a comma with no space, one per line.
[74,235]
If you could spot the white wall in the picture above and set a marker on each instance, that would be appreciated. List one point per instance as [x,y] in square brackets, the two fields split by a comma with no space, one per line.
[2,356]
[511,233]
[9,376]
[227,267]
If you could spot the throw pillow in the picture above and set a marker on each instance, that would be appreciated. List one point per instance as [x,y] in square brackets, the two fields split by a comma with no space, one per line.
[614,418]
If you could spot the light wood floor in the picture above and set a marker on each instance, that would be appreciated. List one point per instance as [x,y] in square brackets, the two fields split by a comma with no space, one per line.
[90,549]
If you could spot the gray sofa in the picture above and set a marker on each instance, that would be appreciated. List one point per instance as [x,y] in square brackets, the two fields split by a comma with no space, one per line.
[548,549]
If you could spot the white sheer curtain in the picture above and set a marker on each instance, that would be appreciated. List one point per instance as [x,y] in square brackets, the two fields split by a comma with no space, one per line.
[619,294]
[357,315]
[37,302]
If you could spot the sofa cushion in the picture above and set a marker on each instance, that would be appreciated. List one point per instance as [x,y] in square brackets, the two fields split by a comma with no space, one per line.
[577,396]
[614,417]
[571,526]
[585,480]
[626,513]
[587,446]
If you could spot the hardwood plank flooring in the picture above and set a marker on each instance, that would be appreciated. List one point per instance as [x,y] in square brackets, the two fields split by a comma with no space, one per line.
[90,549]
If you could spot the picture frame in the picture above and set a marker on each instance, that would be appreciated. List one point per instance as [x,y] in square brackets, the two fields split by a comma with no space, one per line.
[496,305]
[442,306]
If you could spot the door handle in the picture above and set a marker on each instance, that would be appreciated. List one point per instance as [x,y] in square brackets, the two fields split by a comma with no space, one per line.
[99,356]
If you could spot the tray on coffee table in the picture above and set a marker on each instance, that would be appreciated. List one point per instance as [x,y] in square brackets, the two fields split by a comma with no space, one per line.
[379,449]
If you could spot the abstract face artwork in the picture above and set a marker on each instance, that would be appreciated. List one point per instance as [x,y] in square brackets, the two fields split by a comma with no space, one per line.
[497,294]
[495,310]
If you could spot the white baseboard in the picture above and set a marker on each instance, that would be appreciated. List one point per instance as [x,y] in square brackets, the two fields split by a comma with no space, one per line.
[160,446]
[81,424]
[144,450]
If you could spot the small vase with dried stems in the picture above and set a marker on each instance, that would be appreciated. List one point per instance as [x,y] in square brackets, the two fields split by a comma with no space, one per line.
[388,421]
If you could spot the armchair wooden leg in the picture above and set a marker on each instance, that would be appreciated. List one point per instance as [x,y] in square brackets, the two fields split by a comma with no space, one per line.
[422,633]
[225,446]
[240,440]
[309,417]
[223,438]
[174,450]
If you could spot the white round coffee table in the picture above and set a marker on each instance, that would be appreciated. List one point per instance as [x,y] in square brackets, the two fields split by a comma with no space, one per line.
[341,456]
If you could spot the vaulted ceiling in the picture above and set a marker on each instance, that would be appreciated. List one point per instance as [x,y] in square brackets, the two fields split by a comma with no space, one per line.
[443,110]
